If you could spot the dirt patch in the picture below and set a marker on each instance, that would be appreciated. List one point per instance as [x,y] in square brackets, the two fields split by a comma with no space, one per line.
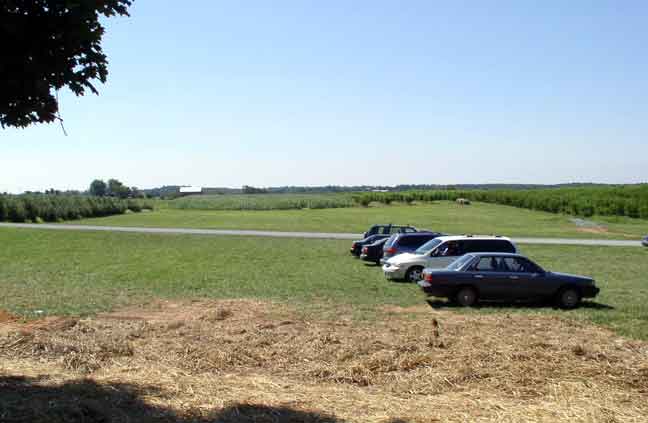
[6,317]
[195,359]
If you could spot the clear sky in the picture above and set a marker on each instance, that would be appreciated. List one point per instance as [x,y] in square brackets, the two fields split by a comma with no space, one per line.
[268,93]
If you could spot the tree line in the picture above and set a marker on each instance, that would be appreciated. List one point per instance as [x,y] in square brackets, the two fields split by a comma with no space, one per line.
[586,201]
[113,188]
[38,208]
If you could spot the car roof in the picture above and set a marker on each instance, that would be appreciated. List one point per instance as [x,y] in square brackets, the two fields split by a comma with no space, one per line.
[495,253]
[479,237]
[420,233]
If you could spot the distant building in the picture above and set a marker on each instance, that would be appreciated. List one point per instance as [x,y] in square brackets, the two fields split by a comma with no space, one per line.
[190,190]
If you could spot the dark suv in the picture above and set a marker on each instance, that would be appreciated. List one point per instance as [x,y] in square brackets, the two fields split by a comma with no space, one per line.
[406,243]
[389,229]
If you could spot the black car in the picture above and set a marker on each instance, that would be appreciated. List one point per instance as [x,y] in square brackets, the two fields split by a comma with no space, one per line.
[373,252]
[356,247]
[389,229]
[504,277]
[406,243]
[644,241]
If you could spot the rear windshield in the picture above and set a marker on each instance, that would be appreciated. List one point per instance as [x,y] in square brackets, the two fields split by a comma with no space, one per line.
[460,262]
[428,246]
[413,240]
[390,241]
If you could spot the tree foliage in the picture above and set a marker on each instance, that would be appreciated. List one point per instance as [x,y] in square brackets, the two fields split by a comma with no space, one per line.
[622,200]
[55,208]
[48,45]
[98,188]
[118,189]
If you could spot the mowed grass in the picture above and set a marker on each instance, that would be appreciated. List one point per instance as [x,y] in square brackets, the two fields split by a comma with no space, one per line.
[79,273]
[443,216]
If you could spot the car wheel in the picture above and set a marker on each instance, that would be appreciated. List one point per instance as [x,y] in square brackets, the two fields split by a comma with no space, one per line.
[414,274]
[466,296]
[569,298]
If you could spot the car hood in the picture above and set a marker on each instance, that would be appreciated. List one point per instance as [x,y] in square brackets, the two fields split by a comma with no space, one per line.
[572,277]
[403,258]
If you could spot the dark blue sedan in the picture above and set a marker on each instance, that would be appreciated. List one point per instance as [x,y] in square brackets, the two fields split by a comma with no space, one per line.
[504,277]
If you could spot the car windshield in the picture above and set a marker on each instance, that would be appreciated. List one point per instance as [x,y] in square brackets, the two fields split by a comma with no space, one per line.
[460,262]
[428,246]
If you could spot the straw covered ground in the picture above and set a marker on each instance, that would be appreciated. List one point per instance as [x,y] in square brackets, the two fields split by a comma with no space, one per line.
[250,361]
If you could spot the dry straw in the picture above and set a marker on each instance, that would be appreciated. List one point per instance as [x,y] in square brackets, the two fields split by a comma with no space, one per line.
[257,362]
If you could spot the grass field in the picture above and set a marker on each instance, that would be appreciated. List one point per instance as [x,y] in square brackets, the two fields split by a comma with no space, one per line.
[479,218]
[218,329]
[84,273]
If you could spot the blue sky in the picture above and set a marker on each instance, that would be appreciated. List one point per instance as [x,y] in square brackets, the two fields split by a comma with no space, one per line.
[225,93]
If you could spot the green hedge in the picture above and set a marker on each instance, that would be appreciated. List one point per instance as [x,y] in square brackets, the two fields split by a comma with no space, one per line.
[622,200]
[55,208]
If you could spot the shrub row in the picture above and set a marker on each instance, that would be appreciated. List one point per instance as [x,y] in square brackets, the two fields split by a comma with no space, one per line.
[263,202]
[628,200]
[55,208]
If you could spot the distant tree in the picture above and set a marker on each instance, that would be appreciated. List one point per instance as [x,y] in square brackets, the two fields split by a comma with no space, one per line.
[98,188]
[117,189]
[48,45]
[136,193]
[252,190]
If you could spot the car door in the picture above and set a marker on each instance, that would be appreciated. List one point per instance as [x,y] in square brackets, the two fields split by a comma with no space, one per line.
[490,282]
[532,282]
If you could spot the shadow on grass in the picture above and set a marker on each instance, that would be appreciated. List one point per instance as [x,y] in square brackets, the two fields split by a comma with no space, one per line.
[31,400]
[591,305]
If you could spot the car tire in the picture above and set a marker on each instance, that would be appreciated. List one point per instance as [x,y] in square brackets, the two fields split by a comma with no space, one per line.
[568,298]
[466,296]
[414,274]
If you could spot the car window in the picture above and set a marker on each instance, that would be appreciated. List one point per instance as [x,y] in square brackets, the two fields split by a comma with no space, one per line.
[502,246]
[451,249]
[492,264]
[428,246]
[486,264]
[487,246]
[386,230]
[460,262]
[409,241]
[409,230]
[516,264]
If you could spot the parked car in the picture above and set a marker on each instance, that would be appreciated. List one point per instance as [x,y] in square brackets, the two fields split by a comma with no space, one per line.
[373,252]
[356,246]
[644,241]
[440,252]
[504,277]
[405,243]
[389,229]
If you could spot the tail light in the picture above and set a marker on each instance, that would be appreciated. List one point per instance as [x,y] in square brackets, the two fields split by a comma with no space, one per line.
[365,250]
[390,250]
[428,277]
[353,245]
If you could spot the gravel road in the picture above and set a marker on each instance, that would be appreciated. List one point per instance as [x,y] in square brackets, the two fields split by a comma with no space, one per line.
[277,234]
